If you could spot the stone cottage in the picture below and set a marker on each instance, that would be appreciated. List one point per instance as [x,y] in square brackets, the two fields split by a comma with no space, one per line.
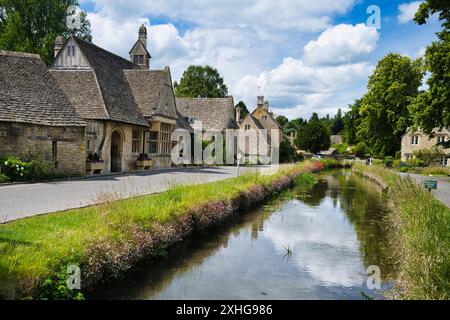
[36,118]
[261,119]
[416,140]
[129,110]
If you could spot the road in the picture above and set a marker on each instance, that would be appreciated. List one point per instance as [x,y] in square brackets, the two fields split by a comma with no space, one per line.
[443,191]
[25,200]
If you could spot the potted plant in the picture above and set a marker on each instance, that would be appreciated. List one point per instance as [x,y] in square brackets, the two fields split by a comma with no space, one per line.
[94,164]
[144,162]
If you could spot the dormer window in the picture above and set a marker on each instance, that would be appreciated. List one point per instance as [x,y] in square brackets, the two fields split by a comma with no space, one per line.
[415,140]
[71,51]
[138,59]
[247,127]
[264,118]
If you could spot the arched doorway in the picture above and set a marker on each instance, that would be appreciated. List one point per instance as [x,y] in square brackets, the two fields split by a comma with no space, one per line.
[116,152]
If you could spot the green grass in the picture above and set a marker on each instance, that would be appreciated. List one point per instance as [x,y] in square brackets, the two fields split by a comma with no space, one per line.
[35,249]
[420,229]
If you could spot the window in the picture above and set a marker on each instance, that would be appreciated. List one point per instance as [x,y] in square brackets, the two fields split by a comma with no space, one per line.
[136,141]
[138,59]
[440,139]
[415,140]
[247,127]
[264,118]
[165,139]
[444,161]
[152,142]
[71,51]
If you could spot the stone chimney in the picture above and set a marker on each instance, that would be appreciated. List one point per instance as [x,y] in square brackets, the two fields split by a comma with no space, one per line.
[260,101]
[59,44]
[143,35]
[238,115]
[266,106]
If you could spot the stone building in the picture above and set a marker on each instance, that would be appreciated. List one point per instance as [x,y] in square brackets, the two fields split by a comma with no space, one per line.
[261,119]
[36,118]
[130,110]
[417,140]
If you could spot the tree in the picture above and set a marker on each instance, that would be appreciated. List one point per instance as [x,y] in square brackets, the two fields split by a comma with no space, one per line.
[283,121]
[427,157]
[431,109]
[287,152]
[361,150]
[33,25]
[384,108]
[337,123]
[204,82]
[352,121]
[314,136]
[244,109]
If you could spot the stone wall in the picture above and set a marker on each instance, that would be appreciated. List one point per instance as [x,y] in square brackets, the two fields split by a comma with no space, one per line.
[28,140]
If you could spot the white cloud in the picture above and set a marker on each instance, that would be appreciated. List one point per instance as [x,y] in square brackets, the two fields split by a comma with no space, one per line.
[408,11]
[341,44]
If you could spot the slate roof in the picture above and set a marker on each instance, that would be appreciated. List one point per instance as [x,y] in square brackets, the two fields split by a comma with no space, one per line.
[29,94]
[152,92]
[215,113]
[117,95]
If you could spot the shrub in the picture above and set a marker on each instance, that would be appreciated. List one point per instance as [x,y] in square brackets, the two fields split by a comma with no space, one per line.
[4,178]
[361,150]
[403,169]
[14,168]
[428,156]
[341,148]
[389,162]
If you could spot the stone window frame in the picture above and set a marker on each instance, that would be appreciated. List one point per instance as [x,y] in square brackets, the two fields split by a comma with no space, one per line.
[152,142]
[136,139]
[265,118]
[441,139]
[165,141]
[415,140]
[444,160]
[248,127]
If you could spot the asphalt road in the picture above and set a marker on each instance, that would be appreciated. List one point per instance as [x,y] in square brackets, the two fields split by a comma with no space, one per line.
[443,191]
[25,200]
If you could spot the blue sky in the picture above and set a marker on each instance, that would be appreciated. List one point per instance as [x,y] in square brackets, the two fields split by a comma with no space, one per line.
[307,56]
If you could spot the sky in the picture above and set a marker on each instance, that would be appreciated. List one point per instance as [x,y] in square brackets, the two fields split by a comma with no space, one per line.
[304,56]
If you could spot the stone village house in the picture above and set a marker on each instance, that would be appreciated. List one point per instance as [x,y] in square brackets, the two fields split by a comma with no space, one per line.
[414,141]
[89,101]
[36,118]
[129,109]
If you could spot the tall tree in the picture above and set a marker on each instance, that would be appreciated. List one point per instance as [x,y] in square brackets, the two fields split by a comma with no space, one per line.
[384,108]
[33,25]
[204,82]
[314,136]
[283,121]
[431,109]
[244,109]
[337,123]
[352,121]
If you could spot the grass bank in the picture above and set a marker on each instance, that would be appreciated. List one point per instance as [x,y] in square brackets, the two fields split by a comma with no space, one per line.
[107,240]
[420,229]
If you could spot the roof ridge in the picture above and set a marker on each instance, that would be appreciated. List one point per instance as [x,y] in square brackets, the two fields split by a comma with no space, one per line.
[20,54]
[104,50]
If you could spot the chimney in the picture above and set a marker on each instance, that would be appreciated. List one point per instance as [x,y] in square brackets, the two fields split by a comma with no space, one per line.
[238,115]
[143,35]
[260,101]
[59,44]
[266,106]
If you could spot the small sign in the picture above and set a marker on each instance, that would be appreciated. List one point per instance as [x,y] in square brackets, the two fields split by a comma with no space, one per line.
[431,185]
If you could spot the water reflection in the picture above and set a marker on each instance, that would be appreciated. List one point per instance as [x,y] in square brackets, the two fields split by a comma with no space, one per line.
[334,233]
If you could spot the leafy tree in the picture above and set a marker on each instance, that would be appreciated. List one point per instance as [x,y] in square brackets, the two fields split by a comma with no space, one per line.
[287,152]
[384,109]
[337,123]
[198,81]
[431,109]
[352,121]
[283,121]
[314,136]
[33,25]
[244,109]
[428,156]
[361,150]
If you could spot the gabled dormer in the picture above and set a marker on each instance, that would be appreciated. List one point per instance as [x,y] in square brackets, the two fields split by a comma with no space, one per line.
[68,55]
[139,53]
